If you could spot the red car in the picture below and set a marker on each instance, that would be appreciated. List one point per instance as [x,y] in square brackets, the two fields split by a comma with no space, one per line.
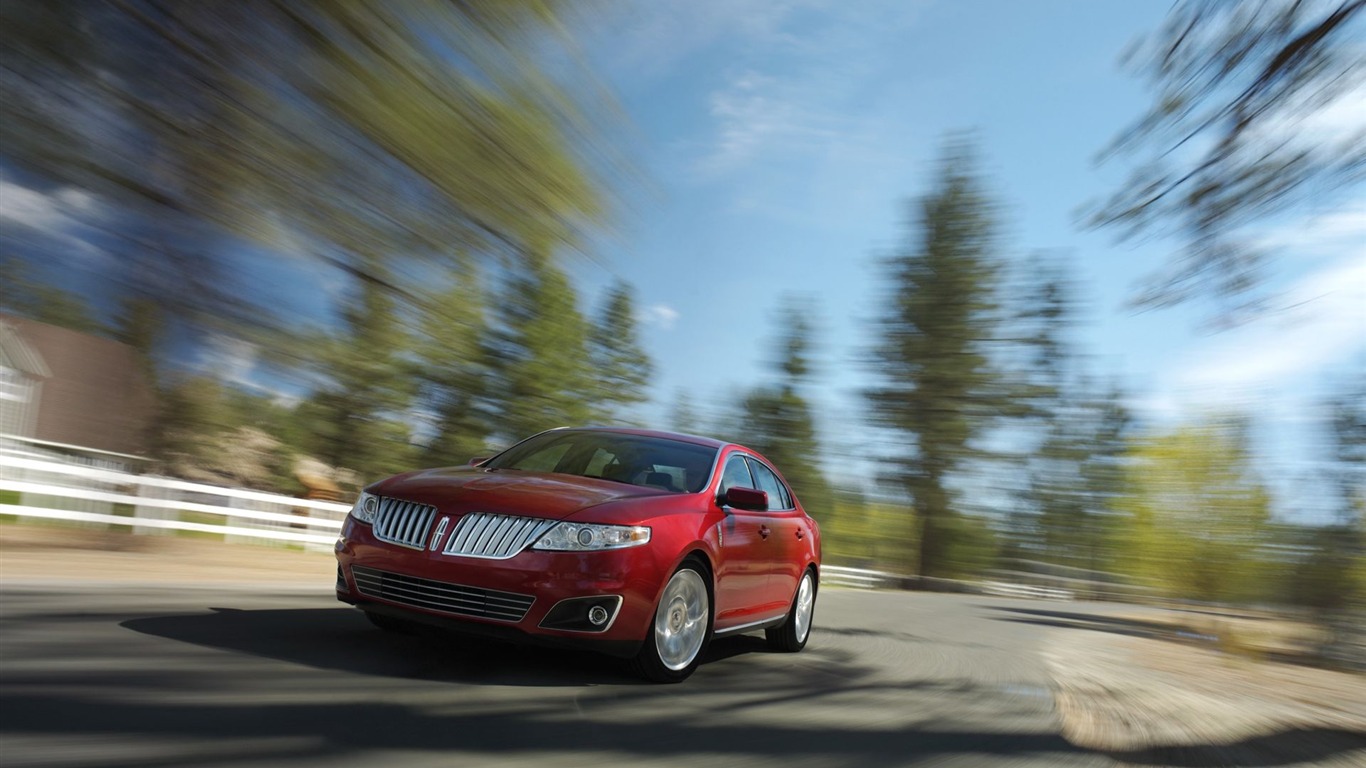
[639,544]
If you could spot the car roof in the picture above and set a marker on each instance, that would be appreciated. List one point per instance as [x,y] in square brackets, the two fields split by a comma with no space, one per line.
[694,439]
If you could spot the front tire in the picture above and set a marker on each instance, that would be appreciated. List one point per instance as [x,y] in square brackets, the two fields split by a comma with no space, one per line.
[681,628]
[791,635]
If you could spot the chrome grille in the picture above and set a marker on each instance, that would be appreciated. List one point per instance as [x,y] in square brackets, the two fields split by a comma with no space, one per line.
[403,522]
[481,534]
[441,596]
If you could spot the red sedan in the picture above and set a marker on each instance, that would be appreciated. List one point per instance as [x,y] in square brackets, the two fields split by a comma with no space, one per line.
[640,544]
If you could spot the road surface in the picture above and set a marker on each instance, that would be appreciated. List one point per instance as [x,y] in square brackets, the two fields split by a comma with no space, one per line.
[109,674]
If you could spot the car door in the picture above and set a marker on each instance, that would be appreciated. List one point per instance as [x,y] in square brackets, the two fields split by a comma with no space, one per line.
[787,534]
[742,590]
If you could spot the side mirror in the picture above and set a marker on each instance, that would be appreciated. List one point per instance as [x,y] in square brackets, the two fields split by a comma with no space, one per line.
[746,498]
[478,460]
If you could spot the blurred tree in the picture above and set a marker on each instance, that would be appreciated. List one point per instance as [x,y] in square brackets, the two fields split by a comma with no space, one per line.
[939,388]
[1332,575]
[141,325]
[777,421]
[359,135]
[546,379]
[1073,474]
[1197,515]
[24,296]
[683,418]
[455,371]
[1230,138]
[620,364]
[368,385]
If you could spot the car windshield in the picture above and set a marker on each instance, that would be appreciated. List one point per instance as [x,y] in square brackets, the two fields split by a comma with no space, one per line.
[656,462]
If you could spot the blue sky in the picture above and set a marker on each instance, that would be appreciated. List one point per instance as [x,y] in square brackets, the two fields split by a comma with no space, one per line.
[778,143]
[781,141]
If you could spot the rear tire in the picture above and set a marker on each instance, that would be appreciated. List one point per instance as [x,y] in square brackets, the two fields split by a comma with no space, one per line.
[680,630]
[791,635]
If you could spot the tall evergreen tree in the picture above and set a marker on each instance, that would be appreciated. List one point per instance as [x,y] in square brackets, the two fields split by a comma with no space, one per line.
[620,364]
[777,420]
[939,389]
[546,378]
[369,385]
[683,418]
[455,371]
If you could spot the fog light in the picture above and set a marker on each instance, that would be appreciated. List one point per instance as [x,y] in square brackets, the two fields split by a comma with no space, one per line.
[597,615]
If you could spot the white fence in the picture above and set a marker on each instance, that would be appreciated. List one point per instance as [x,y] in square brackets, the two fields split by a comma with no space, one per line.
[150,505]
[838,576]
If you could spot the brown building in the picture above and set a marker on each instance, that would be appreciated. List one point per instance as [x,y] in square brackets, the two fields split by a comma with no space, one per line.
[62,386]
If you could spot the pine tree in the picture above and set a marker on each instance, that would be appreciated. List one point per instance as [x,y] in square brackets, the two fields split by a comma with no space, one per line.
[620,364]
[939,389]
[546,378]
[777,420]
[455,370]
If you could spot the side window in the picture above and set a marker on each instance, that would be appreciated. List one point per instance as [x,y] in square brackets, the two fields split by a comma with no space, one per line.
[768,482]
[736,474]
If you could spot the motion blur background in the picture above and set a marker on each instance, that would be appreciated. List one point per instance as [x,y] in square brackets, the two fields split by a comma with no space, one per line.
[1058,293]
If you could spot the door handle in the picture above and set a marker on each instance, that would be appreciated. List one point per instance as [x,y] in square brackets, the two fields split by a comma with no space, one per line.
[764,531]
[801,534]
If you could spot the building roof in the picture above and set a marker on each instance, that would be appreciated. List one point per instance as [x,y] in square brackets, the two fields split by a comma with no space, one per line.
[95,392]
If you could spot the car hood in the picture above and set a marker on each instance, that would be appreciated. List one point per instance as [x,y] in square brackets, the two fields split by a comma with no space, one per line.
[457,490]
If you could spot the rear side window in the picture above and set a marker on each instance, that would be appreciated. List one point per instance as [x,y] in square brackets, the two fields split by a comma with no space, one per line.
[778,497]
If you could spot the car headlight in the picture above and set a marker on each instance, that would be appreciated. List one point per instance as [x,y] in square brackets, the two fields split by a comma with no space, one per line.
[583,537]
[367,505]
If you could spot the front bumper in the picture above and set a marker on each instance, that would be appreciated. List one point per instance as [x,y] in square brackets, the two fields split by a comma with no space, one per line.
[509,599]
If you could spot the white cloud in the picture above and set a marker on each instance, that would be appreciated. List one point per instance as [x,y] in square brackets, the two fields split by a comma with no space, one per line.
[659,35]
[57,216]
[755,116]
[230,360]
[1317,327]
[30,208]
[1333,232]
[660,315]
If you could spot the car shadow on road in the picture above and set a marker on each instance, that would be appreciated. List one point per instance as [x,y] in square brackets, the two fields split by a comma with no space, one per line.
[341,639]
[1120,625]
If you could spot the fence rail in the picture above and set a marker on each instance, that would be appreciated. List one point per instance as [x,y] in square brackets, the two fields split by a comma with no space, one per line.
[54,490]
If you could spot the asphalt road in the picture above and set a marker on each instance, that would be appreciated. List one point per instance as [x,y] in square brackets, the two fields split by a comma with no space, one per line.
[95,675]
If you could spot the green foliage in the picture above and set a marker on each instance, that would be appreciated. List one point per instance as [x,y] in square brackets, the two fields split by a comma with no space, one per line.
[777,421]
[1196,515]
[369,386]
[207,432]
[45,303]
[1219,151]
[683,418]
[455,370]
[620,364]
[938,389]
[863,534]
[545,369]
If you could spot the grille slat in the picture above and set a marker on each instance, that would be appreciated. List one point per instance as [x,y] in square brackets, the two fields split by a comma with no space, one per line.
[403,522]
[441,596]
[506,541]
[497,537]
